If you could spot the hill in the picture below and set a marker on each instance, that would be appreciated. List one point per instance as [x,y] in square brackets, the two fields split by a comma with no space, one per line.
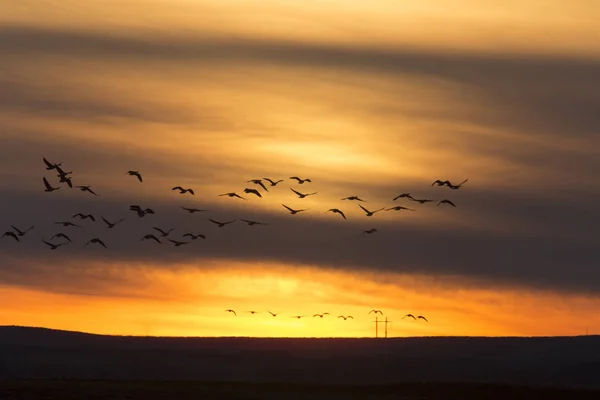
[36,353]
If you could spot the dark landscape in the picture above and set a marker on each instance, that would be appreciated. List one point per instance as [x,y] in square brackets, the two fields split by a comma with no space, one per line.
[44,363]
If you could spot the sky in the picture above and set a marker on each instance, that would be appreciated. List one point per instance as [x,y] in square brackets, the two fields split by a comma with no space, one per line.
[371,99]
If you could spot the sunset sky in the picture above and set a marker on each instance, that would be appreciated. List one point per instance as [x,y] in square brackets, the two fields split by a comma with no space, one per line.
[368,98]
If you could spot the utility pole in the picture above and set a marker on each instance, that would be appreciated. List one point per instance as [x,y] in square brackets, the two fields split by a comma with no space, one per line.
[377,322]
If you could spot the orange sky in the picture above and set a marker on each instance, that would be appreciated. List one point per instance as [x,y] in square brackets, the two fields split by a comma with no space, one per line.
[365,98]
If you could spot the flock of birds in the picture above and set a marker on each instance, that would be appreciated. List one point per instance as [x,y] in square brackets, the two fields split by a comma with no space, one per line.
[65,178]
[344,317]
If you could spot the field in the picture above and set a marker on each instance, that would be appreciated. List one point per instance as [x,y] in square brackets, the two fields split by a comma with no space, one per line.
[149,390]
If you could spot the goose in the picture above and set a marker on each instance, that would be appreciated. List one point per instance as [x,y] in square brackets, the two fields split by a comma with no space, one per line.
[250,222]
[376,312]
[12,235]
[177,243]
[422,201]
[353,198]
[163,233]
[398,208]
[370,213]
[151,237]
[455,187]
[54,246]
[96,240]
[49,188]
[111,225]
[321,315]
[403,195]
[67,224]
[346,317]
[337,211]
[300,181]
[182,190]
[292,211]
[299,316]
[369,231]
[258,182]
[221,224]
[193,210]
[232,194]
[253,191]
[61,235]
[423,318]
[135,173]
[409,316]
[84,216]
[272,182]
[231,311]
[194,237]
[446,201]
[86,188]
[20,232]
[302,195]
[273,314]
[51,166]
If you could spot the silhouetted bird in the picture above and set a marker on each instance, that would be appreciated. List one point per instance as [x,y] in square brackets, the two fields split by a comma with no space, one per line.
[12,235]
[96,240]
[54,246]
[409,316]
[249,222]
[423,318]
[49,165]
[273,314]
[300,181]
[49,188]
[292,211]
[258,182]
[84,216]
[193,210]
[86,188]
[403,195]
[441,183]
[20,232]
[231,311]
[182,190]
[302,195]
[398,208]
[152,237]
[232,194]
[353,198]
[221,224]
[272,182]
[370,213]
[66,179]
[111,225]
[194,237]
[422,201]
[446,201]
[337,211]
[177,243]
[321,315]
[61,235]
[346,317]
[454,187]
[67,224]
[163,233]
[135,173]
[253,191]
[376,312]
[299,316]
[369,231]
[252,312]
[141,213]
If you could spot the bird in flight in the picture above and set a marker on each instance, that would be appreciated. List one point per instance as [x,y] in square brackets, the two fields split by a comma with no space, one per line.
[409,316]
[252,312]
[86,188]
[63,178]
[194,237]
[84,216]
[141,213]
[96,240]
[67,223]
[232,194]
[221,224]
[370,213]
[135,173]
[61,235]
[422,201]
[353,198]
[446,201]
[20,232]
[441,183]
[398,208]
[49,188]
[346,317]
[182,190]
[299,316]
[300,181]
[258,182]
[272,313]
[250,222]
[163,233]
[253,191]
[302,195]
[51,166]
[376,312]
[111,225]
[454,187]
[292,211]
[403,195]
[369,231]
[54,246]
[231,311]
[423,318]
[12,235]
[152,237]
[193,210]
[272,182]
[321,315]
[336,210]
[177,243]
